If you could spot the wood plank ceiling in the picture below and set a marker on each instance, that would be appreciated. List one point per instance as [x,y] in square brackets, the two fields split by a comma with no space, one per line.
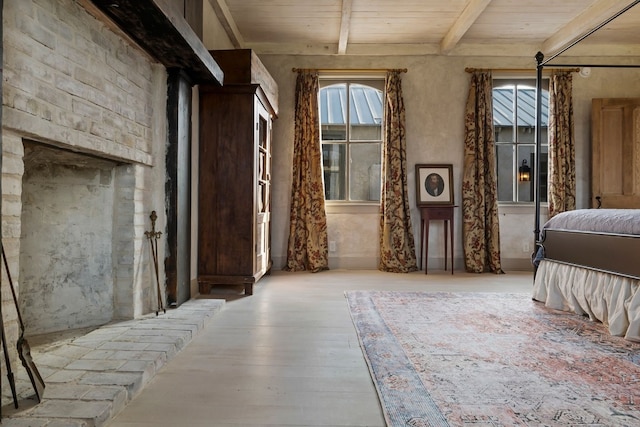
[451,27]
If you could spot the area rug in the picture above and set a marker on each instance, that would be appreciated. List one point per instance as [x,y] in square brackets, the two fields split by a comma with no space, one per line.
[493,359]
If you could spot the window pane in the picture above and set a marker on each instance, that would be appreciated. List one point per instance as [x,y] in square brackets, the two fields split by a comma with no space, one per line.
[335,171]
[526,118]
[364,173]
[503,114]
[514,114]
[333,112]
[365,113]
[504,160]
[544,165]
[352,166]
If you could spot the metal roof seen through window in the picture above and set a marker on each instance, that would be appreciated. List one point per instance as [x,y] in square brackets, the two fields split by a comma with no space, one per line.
[366,105]
[503,107]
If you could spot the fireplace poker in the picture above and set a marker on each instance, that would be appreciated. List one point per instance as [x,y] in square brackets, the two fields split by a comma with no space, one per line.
[24,350]
[153,237]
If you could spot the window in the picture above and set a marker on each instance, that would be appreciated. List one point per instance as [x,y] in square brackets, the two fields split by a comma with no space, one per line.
[351,133]
[514,119]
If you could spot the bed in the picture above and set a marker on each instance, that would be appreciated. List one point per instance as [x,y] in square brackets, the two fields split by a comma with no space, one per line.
[589,263]
[588,260]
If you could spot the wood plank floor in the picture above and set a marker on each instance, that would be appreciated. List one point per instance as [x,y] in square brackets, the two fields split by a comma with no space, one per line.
[286,356]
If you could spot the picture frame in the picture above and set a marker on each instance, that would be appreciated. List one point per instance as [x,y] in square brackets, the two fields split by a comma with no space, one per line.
[434,184]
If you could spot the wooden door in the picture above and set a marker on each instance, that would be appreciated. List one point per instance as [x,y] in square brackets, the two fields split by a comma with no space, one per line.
[615,159]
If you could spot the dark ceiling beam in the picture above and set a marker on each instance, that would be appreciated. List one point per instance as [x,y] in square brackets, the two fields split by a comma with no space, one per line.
[165,35]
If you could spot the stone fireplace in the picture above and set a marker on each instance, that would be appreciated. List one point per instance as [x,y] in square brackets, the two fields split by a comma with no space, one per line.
[95,136]
[69,212]
[84,146]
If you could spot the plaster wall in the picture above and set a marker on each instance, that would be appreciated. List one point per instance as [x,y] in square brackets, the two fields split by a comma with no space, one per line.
[435,92]
[213,34]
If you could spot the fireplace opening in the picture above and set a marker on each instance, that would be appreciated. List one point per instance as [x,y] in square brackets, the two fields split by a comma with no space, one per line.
[66,241]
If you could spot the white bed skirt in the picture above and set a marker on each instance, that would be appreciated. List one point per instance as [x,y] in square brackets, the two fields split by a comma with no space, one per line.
[608,298]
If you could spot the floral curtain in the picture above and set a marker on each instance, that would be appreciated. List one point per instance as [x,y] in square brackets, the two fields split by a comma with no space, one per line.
[562,170]
[480,225]
[397,247]
[307,248]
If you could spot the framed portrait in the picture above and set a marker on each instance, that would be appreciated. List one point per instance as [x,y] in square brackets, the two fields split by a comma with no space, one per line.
[434,185]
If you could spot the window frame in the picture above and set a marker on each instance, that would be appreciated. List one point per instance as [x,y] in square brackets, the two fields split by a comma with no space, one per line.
[374,80]
[528,82]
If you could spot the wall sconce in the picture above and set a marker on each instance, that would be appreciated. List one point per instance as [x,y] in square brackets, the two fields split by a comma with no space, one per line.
[524,172]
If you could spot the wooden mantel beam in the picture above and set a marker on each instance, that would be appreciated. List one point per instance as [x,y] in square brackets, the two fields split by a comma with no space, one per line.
[165,35]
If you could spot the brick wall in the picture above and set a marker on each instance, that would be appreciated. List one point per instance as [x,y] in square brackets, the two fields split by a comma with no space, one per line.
[72,83]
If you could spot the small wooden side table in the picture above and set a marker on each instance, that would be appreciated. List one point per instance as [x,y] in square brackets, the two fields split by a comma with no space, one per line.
[429,213]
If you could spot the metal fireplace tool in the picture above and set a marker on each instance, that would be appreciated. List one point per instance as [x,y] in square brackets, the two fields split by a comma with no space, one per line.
[153,237]
[24,350]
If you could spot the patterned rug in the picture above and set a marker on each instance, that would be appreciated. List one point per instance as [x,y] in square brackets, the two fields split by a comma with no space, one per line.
[492,359]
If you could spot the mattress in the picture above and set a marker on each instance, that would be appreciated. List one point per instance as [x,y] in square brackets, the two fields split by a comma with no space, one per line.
[616,221]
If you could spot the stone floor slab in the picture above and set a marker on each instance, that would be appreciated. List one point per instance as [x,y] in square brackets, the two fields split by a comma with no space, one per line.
[91,377]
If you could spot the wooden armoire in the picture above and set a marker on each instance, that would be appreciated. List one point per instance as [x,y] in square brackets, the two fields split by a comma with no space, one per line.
[234,195]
